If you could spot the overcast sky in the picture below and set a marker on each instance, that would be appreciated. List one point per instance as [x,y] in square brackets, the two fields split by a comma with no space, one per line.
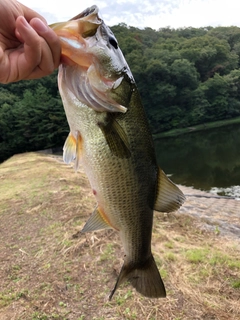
[146,13]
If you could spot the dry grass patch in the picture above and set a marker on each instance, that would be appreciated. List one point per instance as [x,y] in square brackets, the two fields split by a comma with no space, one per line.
[49,271]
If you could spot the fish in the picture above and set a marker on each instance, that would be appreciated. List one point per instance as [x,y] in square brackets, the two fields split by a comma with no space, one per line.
[111,139]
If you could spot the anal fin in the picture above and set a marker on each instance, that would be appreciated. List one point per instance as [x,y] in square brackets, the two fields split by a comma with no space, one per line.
[97,221]
[169,196]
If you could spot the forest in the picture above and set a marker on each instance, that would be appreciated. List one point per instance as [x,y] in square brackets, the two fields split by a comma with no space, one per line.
[185,76]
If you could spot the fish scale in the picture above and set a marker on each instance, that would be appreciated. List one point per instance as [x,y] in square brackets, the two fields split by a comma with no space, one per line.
[110,137]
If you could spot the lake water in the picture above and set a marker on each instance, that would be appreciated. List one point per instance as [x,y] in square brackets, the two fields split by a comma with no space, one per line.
[206,160]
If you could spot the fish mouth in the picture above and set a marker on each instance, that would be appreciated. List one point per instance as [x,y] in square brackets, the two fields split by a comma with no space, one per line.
[83,25]
[90,14]
[73,33]
[93,10]
[90,49]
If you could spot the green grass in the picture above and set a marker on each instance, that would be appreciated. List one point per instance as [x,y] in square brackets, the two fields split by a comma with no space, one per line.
[7,296]
[121,299]
[197,255]
[212,257]
[170,256]
[43,316]
[107,252]
[236,284]
[169,245]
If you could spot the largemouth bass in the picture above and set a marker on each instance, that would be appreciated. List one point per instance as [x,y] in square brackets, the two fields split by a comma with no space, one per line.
[110,137]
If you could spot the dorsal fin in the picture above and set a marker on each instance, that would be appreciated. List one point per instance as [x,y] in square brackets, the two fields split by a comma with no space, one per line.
[169,196]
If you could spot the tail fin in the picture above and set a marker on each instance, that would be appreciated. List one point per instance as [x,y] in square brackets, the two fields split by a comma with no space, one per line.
[145,278]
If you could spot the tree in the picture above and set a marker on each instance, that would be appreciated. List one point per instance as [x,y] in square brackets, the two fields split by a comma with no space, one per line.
[35,122]
[185,76]
[217,92]
[210,55]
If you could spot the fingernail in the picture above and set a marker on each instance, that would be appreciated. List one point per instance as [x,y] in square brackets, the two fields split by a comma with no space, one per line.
[39,25]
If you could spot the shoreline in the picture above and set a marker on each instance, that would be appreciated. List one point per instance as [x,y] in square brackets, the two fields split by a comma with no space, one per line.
[220,215]
[199,127]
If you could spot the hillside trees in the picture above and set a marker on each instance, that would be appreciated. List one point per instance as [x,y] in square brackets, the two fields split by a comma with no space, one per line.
[185,77]
[31,118]
[189,76]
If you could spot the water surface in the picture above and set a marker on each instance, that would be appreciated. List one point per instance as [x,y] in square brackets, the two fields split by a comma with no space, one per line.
[206,160]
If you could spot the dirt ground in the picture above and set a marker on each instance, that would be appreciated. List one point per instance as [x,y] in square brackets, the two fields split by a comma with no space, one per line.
[49,271]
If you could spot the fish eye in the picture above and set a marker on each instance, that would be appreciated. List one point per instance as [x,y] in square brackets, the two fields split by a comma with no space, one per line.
[113,42]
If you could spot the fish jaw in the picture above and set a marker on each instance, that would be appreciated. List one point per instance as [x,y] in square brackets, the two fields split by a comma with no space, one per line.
[72,35]
[74,46]
[89,46]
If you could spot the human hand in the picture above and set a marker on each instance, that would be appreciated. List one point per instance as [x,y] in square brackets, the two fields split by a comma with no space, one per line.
[29,49]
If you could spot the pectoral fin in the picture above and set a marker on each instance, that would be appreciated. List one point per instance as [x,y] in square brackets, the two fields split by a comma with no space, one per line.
[69,149]
[72,149]
[116,138]
[169,196]
[97,221]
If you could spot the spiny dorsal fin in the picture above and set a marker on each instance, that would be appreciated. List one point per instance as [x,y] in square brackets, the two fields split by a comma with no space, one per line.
[116,138]
[72,149]
[169,196]
[96,221]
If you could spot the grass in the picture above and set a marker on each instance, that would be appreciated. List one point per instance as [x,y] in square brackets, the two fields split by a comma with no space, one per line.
[107,252]
[199,127]
[51,272]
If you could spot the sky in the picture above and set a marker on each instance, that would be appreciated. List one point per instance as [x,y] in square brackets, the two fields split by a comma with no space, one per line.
[146,13]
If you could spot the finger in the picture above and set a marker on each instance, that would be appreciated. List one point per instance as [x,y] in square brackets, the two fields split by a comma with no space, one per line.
[37,59]
[31,56]
[3,74]
[18,36]
[50,37]
[29,14]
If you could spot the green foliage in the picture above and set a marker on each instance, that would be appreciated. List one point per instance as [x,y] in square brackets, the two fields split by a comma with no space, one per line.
[31,117]
[185,77]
